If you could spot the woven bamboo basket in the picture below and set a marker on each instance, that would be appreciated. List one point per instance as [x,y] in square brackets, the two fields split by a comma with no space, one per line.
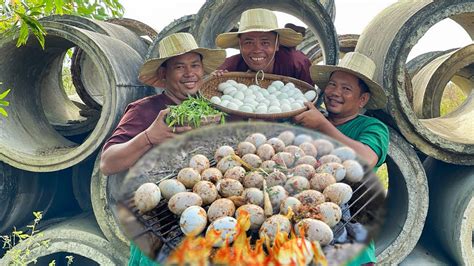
[209,89]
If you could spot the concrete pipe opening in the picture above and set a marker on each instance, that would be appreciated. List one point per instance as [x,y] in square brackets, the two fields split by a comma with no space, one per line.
[407,202]
[216,17]
[28,141]
[403,24]
[311,47]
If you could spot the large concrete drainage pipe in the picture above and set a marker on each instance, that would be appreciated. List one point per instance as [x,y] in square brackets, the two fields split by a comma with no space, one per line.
[216,17]
[79,237]
[407,202]
[403,24]
[27,140]
[450,220]
[104,196]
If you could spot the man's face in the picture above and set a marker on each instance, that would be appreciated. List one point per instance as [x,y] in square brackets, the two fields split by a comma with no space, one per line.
[183,75]
[343,95]
[257,49]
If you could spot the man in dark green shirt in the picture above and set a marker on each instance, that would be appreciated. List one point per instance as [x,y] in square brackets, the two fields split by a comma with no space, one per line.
[348,89]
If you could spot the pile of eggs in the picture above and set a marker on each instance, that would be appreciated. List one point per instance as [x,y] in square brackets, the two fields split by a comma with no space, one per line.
[277,98]
[308,175]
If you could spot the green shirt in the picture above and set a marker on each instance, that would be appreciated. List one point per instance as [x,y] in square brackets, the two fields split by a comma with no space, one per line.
[374,134]
[137,258]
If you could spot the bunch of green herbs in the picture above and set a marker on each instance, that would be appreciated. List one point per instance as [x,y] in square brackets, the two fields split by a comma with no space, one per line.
[191,111]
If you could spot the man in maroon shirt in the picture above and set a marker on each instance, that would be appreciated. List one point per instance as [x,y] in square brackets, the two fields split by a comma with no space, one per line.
[179,70]
[264,47]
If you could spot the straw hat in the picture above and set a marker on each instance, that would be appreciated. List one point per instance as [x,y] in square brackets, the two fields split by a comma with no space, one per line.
[262,20]
[358,65]
[174,45]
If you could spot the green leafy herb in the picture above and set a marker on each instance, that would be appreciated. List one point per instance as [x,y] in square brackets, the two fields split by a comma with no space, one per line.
[191,112]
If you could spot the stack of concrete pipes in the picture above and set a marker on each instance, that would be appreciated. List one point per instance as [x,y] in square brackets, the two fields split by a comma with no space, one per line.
[50,144]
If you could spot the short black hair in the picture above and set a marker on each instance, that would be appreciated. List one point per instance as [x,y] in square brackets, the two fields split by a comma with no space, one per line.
[363,87]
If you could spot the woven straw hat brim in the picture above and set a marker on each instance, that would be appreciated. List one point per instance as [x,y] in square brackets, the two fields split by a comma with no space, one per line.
[287,37]
[211,60]
[320,74]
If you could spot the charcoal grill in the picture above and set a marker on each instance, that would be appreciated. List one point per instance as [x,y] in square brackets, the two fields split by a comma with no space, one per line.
[365,205]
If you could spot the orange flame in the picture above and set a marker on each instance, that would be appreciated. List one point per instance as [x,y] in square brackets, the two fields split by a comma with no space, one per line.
[286,250]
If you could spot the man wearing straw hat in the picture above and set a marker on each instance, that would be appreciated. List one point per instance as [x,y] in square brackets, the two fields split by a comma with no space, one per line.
[264,47]
[348,88]
[179,70]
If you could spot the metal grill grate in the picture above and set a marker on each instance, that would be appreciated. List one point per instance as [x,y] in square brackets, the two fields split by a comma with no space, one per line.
[165,225]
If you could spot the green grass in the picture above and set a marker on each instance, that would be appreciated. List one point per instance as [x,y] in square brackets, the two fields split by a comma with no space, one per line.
[452,98]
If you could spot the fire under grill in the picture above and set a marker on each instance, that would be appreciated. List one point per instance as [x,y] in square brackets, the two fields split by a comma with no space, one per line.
[361,218]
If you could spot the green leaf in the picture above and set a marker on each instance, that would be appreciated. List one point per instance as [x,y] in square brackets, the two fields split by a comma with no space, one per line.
[59,6]
[23,36]
[4,103]
[4,94]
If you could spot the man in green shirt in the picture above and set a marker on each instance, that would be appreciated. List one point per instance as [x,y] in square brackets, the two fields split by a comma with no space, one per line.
[348,89]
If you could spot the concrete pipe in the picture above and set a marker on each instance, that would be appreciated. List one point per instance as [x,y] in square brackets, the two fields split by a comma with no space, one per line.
[216,17]
[23,192]
[418,62]
[83,70]
[450,221]
[407,202]
[104,196]
[310,46]
[81,182]
[79,237]
[138,27]
[430,83]
[403,24]
[28,141]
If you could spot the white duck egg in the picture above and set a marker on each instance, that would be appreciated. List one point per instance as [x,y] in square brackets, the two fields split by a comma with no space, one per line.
[231,81]
[221,87]
[193,221]
[258,94]
[310,95]
[237,102]
[250,97]
[274,109]
[246,108]
[274,103]
[224,103]
[226,227]
[232,106]
[285,108]
[228,90]
[284,101]
[296,105]
[282,96]
[239,95]
[262,109]
[225,97]
[271,89]
[215,100]
[169,187]
[277,83]
[241,86]
[290,84]
[147,197]
[254,87]
[264,92]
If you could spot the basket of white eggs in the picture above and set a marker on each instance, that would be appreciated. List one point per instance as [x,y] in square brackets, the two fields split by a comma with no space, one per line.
[265,96]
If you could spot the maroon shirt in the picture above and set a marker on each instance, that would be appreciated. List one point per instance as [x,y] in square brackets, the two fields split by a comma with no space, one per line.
[138,116]
[288,62]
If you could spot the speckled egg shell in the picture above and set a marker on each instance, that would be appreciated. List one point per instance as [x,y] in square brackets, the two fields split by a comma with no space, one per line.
[277,194]
[246,147]
[257,139]
[310,196]
[296,151]
[302,138]
[296,184]
[199,162]
[193,221]
[220,208]
[329,158]
[309,149]
[354,170]
[290,202]
[335,169]
[182,200]
[276,178]
[265,151]
[284,159]
[338,193]
[226,226]
[252,159]
[271,226]
[329,212]
[253,179]
[189,177]
[211,174]
[229,187]
[222,152]
[257,216]
[315,230]
[147,196]
[304,170]
[345,153]
[287,137]
[206,190]
[307,160]
[323,146]
[170,187]
[253,196]
[277,144]
[320,181]
[236,172]
[226,163]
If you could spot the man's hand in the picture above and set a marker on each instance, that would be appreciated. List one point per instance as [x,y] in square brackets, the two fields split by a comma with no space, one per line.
[312,118]
[159,131]
[219,72]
